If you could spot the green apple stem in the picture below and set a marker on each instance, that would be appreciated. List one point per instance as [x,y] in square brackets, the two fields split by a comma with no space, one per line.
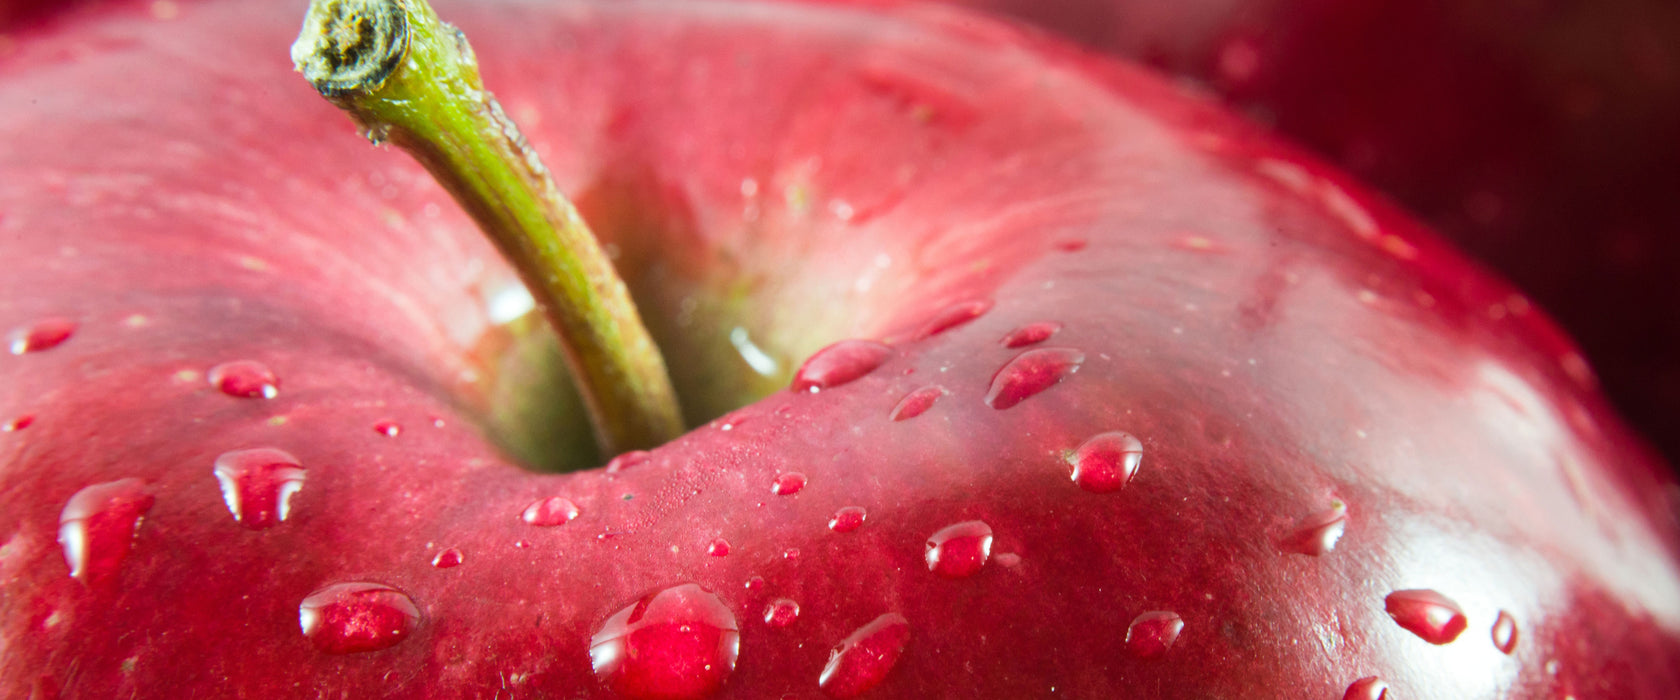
[407,77]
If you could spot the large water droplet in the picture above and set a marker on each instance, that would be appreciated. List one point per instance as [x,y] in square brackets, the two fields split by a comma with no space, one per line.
[98,525]
[953,316]
[1152,634]
[959,550]
[847,519]
[1319,533]
[1367,688]
[258,485]
[781,612]
[916,402]
[1031,372]
[246,379]
[863,659]
[44,335]
[1030,334]
[18,423]
[1505,632]
[681,642]
[447,559]
[628,460]
[1107,462]
[787,483]
[550,512]
[1427,614]
[718,548]
[358,616]
[840,363]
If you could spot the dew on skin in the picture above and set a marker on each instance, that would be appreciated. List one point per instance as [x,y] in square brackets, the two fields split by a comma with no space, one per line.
[755,583]
[953,316]
[98,525]
[791,554]
[387,428]
[550,512]
[1030,373]
[781,612]
[839,364]
[959,550]
[847,519]
[447,559]
[1505,632]
[916,402]
[863,659]
[258,485]
[1433,617]
[18,423]
[1030,334]
[787,483]
[1367,688]
[1105,463]
[245,379]
[1152,634]
[681,642]
[628,460]
[43,335]
[357,616]
[718,547]
[1318,534]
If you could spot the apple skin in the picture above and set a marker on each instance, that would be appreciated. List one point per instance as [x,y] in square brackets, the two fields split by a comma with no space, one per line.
[1282,345]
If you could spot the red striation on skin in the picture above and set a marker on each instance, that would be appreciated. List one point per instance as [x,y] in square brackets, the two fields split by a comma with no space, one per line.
[1312,361]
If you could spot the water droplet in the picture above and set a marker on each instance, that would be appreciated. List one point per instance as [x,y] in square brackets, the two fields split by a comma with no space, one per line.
[1152,634]
[628,460]
[953,316]
[863,659]
[847,519]
[1319,533]
[258,485]
[959,550]
[44,335]
[781,612]
[1505,632]
[917,402]
[348,618]
[718,548]
[98,525]
[791,553]
[1367,688]
[18,423]
[1106,463]
[246,379]
[1427,614]
[387,428]
[755,583]
[681,642]
[1031,372]
[840,363]
[1030,334]
[447,559]
[788,483]
[550,512]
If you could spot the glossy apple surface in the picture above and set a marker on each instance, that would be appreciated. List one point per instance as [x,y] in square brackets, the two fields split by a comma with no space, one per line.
[1165,408]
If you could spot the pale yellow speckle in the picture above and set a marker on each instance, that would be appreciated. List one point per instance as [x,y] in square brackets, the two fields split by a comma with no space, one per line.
[188,376]
[165,9]
[277,421]
[136,321]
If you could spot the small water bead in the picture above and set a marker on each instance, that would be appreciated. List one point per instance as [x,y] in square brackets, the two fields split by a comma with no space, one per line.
[357,616]
[628,460]
[246,379]
[387,428]
[550,512]
[953,316]
[791,554]
[1031,372]
[754,584]
[840,363]
[787,483]
[959,550]
[258,485]
[44,335]
[1428,614]
[1030,334]
[447,559]
[916,402]
[863,659]
[1107,462]
[98,525]
[681,642]
[718,548]
[1367,688]
[1152,634]
[18,423]
[1318,534]
[1505,632]
[847,519]
[781,612]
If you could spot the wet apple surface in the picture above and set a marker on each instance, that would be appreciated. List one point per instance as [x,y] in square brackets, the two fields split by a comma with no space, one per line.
[1130,400]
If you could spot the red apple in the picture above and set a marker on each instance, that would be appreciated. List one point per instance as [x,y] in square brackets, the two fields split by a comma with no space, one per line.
[1135,401]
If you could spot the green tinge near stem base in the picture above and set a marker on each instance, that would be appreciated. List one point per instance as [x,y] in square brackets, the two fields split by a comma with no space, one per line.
[407,77]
